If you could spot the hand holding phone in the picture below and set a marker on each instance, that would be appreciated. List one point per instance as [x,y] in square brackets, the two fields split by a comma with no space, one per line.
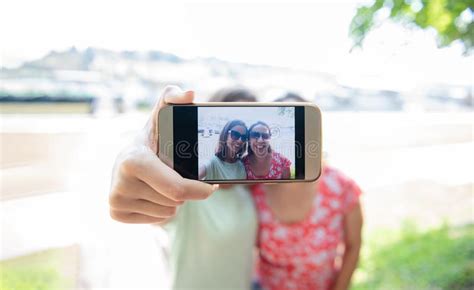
[144,189]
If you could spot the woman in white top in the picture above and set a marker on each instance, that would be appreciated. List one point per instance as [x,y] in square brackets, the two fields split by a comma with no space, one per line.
[227,161]
[212,232]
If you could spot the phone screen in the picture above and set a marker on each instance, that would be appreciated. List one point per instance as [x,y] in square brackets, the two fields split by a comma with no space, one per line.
[234,143]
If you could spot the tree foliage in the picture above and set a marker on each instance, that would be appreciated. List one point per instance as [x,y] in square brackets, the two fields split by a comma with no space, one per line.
[451,19]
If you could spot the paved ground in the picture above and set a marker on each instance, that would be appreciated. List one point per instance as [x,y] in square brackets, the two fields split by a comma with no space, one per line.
[55,175]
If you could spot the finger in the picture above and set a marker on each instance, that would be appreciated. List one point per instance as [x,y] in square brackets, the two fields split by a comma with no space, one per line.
[168,182]
[138,189]
[121,203]
[145,207]
[141,206]
[200,189]
[148,193]
[135,218]
[170,94]
[178,96]
[173,95]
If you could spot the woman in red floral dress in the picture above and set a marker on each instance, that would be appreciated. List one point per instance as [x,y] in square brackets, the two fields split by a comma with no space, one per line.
[309,233]
[262,162]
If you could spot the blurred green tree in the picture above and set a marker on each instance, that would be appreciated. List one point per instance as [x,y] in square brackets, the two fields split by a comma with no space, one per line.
[451,19]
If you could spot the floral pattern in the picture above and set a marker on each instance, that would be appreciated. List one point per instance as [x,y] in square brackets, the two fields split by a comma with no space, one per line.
[302,255]
[279,162]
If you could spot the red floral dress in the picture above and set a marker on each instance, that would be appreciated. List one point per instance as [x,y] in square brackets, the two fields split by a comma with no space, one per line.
[302,255]
[279,162]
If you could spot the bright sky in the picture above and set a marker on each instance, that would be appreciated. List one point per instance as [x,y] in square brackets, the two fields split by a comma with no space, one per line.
[209,115]
[301,35]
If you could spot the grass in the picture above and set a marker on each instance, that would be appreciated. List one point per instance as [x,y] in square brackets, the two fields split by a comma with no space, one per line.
[53,269]
[408,258]
[441,258]
[44,108]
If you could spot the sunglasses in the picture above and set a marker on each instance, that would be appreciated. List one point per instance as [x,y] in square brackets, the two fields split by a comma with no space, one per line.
[235,135]
[256,135]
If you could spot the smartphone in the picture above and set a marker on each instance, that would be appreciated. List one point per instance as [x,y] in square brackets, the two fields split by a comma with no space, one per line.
[242,142]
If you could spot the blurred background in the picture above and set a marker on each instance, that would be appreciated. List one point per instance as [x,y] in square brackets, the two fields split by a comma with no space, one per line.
[394,79]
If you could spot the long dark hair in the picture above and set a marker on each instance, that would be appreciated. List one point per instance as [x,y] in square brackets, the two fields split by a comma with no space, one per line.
[291,97]
[233,94]
[222,149]
[259,123]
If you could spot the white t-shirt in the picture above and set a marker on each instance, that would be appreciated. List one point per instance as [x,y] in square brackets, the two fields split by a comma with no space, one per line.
[217,169]
[212,241]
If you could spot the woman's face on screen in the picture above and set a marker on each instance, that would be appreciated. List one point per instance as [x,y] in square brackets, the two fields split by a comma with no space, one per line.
[236,139]
[260,140]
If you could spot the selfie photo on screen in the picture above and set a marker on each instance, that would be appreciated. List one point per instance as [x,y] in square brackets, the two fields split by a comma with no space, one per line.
[240,143]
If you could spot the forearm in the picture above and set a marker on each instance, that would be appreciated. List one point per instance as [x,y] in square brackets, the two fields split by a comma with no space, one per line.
[349,264]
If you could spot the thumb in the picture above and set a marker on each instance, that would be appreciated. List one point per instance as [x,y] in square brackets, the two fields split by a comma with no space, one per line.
[169,95]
